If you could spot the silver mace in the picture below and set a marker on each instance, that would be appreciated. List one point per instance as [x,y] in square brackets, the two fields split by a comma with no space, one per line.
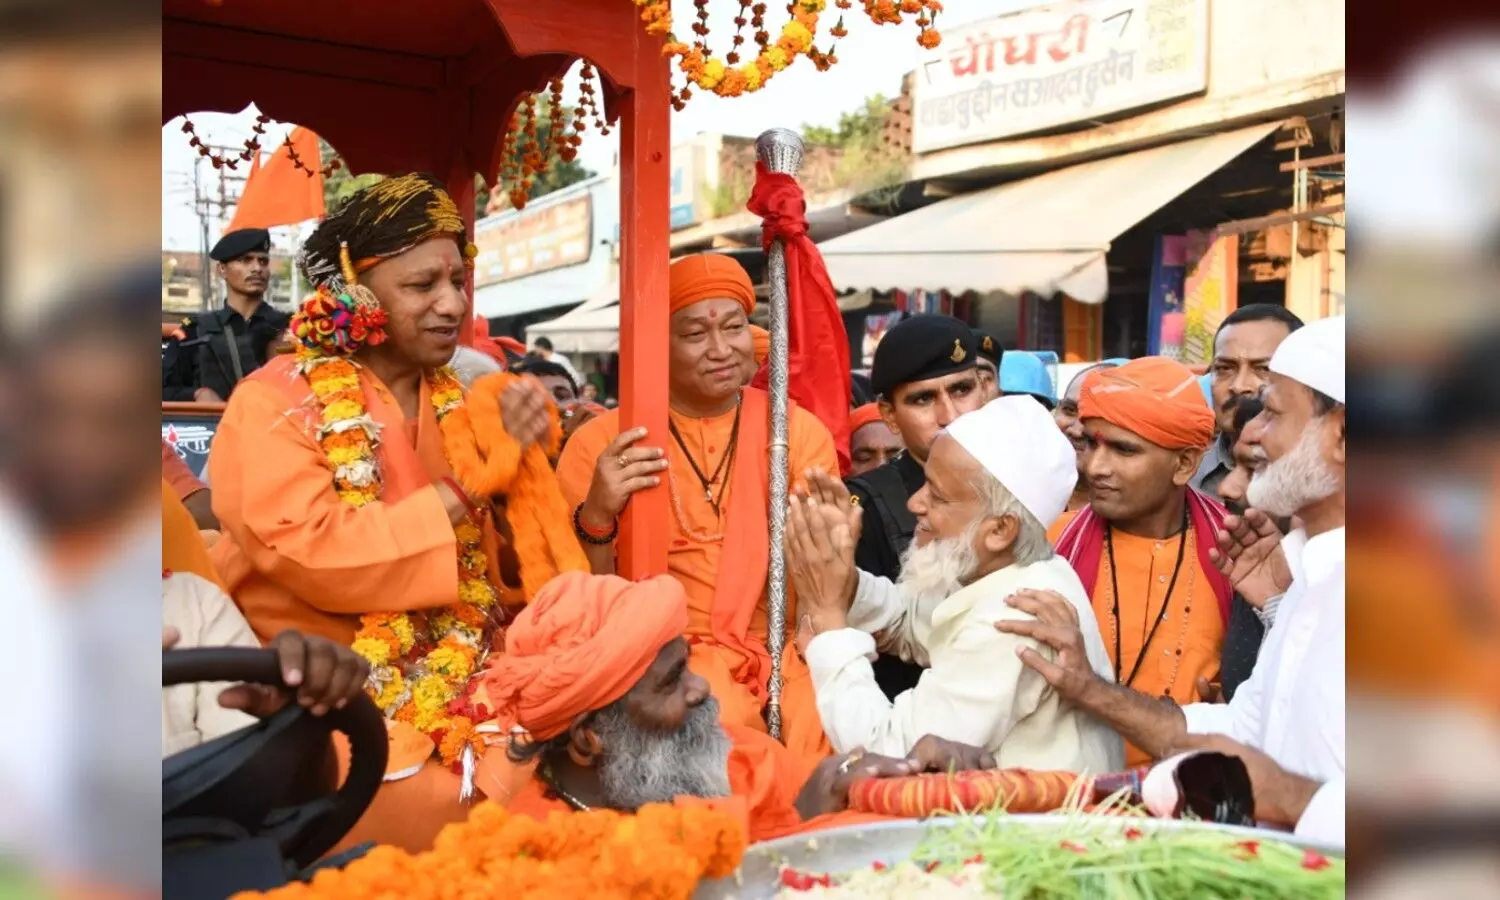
[779,150]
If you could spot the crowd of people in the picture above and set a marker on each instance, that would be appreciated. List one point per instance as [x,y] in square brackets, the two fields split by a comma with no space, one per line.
[1125,572]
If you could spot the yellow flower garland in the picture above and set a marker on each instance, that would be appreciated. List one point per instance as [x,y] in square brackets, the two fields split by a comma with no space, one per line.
[450,643]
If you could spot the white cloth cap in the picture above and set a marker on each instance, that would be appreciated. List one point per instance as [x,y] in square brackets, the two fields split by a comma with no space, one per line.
[1017,441]
[1314,355]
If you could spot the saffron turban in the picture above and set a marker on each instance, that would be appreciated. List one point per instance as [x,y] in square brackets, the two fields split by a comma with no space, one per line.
[861,416]
[762,339]
[709,276]
[582,643]
[1155,397]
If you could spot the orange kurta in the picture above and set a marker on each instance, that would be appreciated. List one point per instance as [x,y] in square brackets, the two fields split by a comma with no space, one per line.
[1188,643]
[697,557]
[765,779]
[182,548]
[296,556]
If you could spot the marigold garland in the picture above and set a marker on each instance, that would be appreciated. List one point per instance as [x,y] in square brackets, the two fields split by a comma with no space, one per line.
[489,463]
[661,852]
[419,663]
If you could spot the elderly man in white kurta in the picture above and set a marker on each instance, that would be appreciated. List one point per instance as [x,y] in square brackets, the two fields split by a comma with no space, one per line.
[1287,721]
[993,478]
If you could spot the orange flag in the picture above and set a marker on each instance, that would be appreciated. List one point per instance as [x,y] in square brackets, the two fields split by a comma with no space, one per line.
[277,192]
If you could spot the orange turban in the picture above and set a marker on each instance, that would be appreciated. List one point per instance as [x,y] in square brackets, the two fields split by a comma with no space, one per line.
[582,644]
[861,416]
[1155,397]
[709,276]
[762,339]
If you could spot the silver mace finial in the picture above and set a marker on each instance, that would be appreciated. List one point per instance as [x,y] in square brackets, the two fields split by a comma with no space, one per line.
[780,151]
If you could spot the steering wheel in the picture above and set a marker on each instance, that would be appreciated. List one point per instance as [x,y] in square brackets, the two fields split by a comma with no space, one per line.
[237,786]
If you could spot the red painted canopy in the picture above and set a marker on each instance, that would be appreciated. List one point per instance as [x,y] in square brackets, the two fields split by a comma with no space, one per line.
[394,85]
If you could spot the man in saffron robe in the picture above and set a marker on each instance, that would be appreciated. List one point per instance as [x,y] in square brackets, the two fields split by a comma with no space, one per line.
[605,711]
[714,463]
[1287,724]
[1141,546]
[296,553]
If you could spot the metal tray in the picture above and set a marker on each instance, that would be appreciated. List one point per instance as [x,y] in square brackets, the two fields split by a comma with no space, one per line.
[857,846]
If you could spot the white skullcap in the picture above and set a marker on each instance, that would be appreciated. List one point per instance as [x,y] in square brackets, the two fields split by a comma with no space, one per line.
[1017,441]
[1314,355]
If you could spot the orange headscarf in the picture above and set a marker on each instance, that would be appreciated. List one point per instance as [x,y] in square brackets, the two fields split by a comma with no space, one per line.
[1155,397]
[580,646]
[762,340]
[861,416]
[709,276]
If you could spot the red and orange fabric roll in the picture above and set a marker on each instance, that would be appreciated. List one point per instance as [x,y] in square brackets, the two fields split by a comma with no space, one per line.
[918,796]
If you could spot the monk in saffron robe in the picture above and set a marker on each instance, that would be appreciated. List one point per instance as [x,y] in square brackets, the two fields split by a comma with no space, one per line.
[604,710]
[715,464]
[1141,545]
[345,511]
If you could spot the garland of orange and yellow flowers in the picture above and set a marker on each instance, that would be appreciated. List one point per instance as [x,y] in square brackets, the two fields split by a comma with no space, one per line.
[429,690]
[727,79]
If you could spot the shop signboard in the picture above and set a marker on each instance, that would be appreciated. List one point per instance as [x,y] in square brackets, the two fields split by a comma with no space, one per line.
[1164,326]
[1055,66]
[539,239]
[1210,292]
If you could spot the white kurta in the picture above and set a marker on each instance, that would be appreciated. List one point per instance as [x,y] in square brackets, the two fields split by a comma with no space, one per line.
[976,690]
[1292,706]
[205,617]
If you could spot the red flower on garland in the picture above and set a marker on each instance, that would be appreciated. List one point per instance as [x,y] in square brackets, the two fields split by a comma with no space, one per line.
[1249,849]
[1314,861]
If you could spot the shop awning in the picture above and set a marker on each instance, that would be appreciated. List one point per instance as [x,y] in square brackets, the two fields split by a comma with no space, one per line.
[593,327]
[1045,234]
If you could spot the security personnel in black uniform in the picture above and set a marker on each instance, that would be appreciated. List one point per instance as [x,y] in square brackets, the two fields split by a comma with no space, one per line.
[924,377]
[988,362]
[217,350]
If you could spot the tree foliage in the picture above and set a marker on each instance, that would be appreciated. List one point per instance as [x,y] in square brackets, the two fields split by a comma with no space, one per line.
[866,163]
[859,129]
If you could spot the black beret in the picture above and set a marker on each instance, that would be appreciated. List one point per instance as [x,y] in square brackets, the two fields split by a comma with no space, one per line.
[987,347]
[239,242]
[920,348]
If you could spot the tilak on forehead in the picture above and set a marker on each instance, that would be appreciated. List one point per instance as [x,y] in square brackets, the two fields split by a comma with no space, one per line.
[384,220]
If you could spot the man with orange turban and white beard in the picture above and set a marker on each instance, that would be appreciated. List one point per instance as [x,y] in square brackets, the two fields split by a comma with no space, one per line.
[1141,546]
[604,710]
[715,465]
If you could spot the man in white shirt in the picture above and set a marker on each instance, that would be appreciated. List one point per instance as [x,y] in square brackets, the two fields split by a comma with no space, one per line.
[1287,722]
[993,477]
[542,347]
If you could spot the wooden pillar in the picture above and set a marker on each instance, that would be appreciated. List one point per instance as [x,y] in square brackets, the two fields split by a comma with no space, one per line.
[645,178]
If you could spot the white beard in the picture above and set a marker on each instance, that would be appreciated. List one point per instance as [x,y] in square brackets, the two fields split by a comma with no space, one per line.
[642,766]
[937,570]
[1297,480]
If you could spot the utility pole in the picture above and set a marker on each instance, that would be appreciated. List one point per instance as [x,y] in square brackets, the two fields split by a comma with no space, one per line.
[213,207]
